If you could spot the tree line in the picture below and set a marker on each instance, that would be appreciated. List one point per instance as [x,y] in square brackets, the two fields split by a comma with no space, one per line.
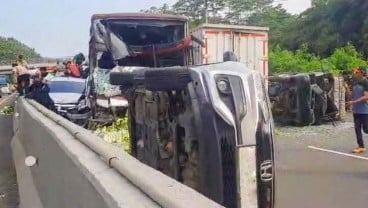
[10,48]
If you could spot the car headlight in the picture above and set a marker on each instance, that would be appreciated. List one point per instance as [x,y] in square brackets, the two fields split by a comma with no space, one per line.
[223,86]
[82,104]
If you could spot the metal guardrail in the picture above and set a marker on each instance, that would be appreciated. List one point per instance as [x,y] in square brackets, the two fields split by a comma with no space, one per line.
[33,60]
[9,69]
[164,190]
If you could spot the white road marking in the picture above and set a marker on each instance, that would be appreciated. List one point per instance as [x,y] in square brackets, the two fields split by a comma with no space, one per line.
[339,153]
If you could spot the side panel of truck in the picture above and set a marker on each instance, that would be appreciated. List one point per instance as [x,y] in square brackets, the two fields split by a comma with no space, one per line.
[250,46]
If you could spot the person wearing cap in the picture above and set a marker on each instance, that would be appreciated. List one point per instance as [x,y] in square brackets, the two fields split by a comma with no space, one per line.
[359,103]
[79,59]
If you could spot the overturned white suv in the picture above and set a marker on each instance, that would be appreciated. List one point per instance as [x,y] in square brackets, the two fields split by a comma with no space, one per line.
[209,127]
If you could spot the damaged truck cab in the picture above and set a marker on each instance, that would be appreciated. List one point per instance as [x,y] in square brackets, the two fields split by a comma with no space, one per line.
[207,126]
[125,41]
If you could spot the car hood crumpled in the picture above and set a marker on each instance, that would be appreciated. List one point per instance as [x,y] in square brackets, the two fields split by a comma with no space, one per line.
[65,98]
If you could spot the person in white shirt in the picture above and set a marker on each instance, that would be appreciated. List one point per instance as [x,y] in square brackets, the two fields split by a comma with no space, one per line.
[23,79]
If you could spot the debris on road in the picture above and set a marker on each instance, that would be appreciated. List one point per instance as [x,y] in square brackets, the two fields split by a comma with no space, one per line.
[327,128]
[7,110]
[117,134]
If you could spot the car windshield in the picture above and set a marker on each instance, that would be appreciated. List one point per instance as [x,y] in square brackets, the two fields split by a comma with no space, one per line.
[67,87]
[3,80]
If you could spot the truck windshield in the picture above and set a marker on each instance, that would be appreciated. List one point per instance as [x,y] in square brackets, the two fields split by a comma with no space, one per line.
[148,43]
[146,33]
[67,87]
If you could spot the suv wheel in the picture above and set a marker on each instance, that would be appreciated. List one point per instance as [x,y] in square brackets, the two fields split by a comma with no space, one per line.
[122,78]
[166,79]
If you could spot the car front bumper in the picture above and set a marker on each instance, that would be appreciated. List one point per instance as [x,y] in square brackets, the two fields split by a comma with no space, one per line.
[71,112]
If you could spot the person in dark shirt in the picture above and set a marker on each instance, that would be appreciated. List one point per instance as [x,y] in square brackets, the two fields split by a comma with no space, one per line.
[360,107]
[39,92]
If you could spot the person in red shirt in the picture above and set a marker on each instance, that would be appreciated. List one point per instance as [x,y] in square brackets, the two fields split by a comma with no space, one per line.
[73,70]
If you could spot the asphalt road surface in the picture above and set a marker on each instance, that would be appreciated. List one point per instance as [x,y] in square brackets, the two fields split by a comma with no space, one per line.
[8,185]
[315,168]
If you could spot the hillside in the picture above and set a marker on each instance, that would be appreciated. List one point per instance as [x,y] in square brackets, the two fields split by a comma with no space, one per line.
[10,48]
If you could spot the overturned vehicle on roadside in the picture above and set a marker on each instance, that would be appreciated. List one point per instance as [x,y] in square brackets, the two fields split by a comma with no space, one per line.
[209,127]
[303,99]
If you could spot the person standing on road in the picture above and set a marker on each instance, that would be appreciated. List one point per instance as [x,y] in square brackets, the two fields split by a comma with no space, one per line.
[22,62]
[360,107]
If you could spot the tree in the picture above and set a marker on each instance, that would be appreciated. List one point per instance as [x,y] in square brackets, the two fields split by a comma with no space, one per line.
[164,9]
[10,48]
[317,3]
[330,25]
[195,10]
[276,18]
[240,10]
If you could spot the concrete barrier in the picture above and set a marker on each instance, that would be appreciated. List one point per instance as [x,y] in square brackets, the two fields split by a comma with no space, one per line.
[76,169]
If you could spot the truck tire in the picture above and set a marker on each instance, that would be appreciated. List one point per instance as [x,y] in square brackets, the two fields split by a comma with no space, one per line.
[166,79]
[122,78]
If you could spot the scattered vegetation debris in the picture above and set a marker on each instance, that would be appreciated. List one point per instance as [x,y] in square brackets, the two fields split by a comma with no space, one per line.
[117,134]
[7,110]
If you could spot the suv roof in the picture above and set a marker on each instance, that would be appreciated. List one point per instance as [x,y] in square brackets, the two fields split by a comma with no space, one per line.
[135,16]
[68,79]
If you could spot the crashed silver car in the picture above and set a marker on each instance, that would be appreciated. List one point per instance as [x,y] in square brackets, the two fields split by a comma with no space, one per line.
[68,95]
[4,86]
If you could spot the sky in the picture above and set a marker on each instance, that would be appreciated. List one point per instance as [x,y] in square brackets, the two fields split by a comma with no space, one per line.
[57,28]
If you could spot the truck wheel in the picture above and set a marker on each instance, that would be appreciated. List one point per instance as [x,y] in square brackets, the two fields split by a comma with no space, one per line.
[166,79]
[122,78]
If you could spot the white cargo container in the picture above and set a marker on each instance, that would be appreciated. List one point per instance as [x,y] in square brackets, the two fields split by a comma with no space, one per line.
[250,44]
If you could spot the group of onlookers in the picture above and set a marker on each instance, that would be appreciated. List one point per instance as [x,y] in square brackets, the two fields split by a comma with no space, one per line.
[24,75]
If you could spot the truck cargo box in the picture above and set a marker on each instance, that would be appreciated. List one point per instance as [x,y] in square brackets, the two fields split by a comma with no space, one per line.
[250,44]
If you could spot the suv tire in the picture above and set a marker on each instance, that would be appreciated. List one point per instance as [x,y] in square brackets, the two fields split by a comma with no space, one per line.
[167,79]
[122,78]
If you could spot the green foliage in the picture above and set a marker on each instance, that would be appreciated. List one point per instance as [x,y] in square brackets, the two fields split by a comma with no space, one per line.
[164,9]
[241,10]
[346,58]
[218,11]
[7,110]
[10,48]
[285,61]
[277,19]
[117,134]
[282,61]
[330,24]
